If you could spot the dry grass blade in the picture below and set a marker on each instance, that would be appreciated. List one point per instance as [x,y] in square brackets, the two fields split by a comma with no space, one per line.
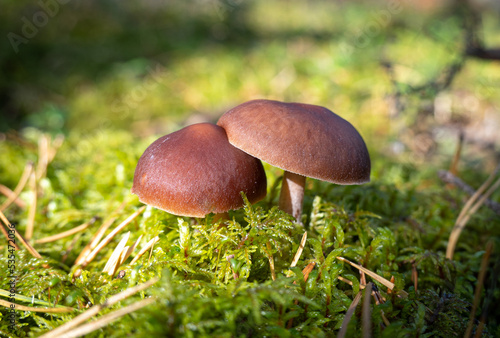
[106,319]
[479,287]
[468,211]
[348,315]
[98,236]
[367,315]
[65,234]
[126,253]
[376,295]
[32,209]
[56,144]
[347,281]
[458,152]
[43,155]
[477,194]
[299,250]
[5,233]
[94,241]
[19,237]
[10,194]
[28,246]
[112,234]
[114,260]
[372,274]
[450,179]
[414,276]
[145,248]
[96,308]
[271,260]
[20,186]
[307,270]
[36,309]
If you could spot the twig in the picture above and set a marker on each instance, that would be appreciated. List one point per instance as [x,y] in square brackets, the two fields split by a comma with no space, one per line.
[448,177]
[479,287]
[19,187]
[348,315]
[66,233]
[35,309]
[96,308]
[106,319]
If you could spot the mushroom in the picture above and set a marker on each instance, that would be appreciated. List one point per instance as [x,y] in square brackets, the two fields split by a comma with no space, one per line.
[304,140]
[195,171]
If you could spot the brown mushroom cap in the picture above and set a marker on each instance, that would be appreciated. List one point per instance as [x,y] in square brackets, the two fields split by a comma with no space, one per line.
[300,138]
[196,171]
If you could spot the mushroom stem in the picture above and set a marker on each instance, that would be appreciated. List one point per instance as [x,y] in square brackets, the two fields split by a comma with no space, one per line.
[292,194]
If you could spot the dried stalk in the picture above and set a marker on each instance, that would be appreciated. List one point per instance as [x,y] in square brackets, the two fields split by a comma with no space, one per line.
[299,250]
[19,237]
[96,308]
[109,237]
[32,209]
[348,315]
[479,287]
[64,234]
[468,210]
[115,256]
[367,323]
[449,178]
[106,319]
[271,260]
[96,238]
[145,248]
[20,186]
[6,234]
[372,274]
[10,194]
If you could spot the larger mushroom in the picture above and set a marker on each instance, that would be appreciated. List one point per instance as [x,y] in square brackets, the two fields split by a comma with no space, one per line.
[196,171]
[302,139]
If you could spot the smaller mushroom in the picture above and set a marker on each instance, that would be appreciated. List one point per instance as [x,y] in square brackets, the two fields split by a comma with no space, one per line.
[196,171]
[302,139]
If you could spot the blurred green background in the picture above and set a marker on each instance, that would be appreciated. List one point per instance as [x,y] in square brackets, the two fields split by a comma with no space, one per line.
[151,66]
